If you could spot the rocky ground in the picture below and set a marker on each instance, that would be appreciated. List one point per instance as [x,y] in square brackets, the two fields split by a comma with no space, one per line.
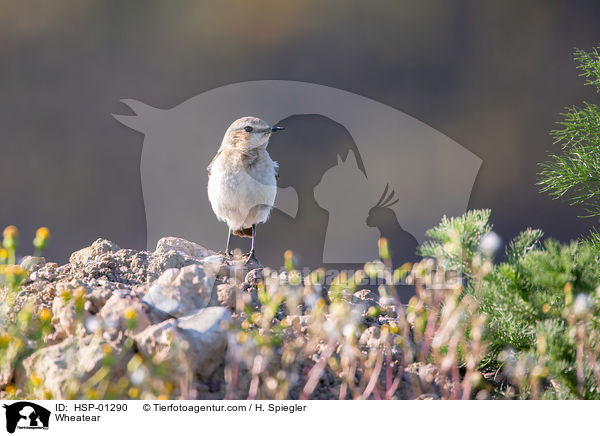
[181,297]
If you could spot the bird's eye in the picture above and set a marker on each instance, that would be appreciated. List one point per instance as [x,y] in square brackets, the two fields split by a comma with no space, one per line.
[248,129]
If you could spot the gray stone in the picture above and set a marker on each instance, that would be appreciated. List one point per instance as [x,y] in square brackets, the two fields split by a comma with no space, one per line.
[198,341]
[366,298]
[64,317]
[32,263]
[206,332]
[64,366]
[254,277]
[227,295]
[179,292]
[183,246]
[161,341]
[97,299]
[88,254]
[114,314]
[10,361]
[161,261]
[45,272]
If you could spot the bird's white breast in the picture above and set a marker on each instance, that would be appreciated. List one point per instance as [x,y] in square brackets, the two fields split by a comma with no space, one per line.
[242,195]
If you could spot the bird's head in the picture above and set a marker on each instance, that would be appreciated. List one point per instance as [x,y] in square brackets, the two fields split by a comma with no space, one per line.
[249,133]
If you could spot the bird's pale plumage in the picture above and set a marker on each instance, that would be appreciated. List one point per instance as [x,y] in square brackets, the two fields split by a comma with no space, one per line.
[242,182]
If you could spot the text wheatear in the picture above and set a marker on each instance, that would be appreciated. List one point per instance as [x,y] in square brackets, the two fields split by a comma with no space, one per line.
[242,178]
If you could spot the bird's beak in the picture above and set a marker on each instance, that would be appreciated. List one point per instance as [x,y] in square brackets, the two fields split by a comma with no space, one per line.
[276,129]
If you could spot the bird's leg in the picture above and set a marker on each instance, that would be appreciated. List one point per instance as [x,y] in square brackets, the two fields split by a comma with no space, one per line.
[251,255]
[227,252]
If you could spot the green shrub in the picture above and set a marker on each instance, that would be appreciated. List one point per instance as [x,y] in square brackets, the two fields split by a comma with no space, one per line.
[541,303]
[573,174]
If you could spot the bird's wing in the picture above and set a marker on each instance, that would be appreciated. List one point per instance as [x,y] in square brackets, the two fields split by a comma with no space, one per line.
[211,162]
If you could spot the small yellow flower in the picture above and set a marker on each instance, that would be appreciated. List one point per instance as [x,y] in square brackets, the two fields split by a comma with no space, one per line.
[107,349]
[546,308]
[130,314]
[133,392]
[35,380]
[13,270]
[42,233]
[45,314]
[295,278]
[123,383]
[373,311]
[385,329]
[5,338]
[320,304]
[11,390]
[79,292]
[135,362]
[288,257]
[40,242]
[242,337]
[10,232]
[3,254]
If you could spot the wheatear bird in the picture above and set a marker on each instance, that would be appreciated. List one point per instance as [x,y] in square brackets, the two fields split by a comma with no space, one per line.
[242,178]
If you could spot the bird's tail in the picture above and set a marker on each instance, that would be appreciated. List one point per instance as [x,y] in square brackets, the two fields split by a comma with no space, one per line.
[244,233]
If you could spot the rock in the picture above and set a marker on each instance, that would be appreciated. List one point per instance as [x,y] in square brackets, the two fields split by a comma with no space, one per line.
[179,292]
[181,245]
[119,311]
[254,277]
[65,317]
[88,254]
[227,295]
[232,270]
[424,379]
[370,337]
[161,261]
[161,341]
[206,333]
[32,263]
[253,264]
[44,272]
[200,339]
[61,368]
[172,252]
[366,298]
[97,299]
[10,360]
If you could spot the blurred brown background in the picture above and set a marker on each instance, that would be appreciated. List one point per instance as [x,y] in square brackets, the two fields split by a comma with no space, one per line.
[493,76]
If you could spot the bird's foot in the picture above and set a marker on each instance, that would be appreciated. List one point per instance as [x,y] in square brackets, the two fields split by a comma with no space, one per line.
[252,258]
[227,255]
